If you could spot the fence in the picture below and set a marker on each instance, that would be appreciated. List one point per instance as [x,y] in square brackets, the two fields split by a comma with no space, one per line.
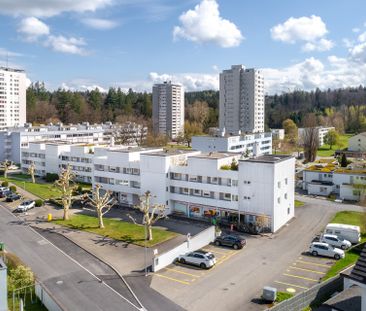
[319,292]
[47,300]
[199,240]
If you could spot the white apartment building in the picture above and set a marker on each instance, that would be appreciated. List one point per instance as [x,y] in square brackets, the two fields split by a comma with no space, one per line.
[241,100]
[13,139]
[12,97]
[278,134]
[168,109]
[322,131]
[325,180]
[190,183]
[250,144]
[357,143]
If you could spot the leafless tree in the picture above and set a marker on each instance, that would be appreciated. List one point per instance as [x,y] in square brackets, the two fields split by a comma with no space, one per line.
[261,222]
[6,165]
[310,137]
[66,185]
[101,203]
[31,171]
[151,214]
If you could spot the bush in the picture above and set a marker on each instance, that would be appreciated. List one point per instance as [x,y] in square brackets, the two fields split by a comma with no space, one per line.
[51,177]
[5,184]
[80,189]
[13,189]
[38,202]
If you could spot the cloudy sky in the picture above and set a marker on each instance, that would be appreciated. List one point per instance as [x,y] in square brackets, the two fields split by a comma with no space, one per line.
[134,43]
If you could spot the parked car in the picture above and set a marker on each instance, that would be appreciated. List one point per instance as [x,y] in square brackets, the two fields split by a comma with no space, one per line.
[324,249]
[347,232]
[25,206]
[335,241]
[12,197]
[5,192]
[233,241]
[198,258]
[3,188]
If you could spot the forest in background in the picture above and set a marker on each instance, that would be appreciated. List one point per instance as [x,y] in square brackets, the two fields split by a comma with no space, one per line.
[343,108]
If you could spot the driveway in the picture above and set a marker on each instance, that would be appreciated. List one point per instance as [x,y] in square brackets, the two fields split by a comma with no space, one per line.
[237,283]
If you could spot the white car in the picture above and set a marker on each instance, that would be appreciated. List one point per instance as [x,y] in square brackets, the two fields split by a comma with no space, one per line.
[324,249]
[26,205]
[198,258]
[335,241]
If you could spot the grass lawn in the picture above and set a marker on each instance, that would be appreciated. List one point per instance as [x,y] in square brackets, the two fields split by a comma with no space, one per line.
[281,296]
[299,203]
[324,150]
[44,191]
[116,229]
[349,218]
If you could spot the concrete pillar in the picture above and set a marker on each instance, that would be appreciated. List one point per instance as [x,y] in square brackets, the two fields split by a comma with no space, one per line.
[3,287]
[363,299]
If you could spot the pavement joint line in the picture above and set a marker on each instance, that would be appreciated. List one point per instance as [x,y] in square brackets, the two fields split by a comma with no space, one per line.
[309,270]
[73,260]
[293,285]
[300,277]
[172,279]
[182,272]
[313,263]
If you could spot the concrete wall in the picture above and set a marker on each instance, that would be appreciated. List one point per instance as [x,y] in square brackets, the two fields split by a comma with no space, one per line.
[3,287]
[44,296]
[198,241]
[319,292]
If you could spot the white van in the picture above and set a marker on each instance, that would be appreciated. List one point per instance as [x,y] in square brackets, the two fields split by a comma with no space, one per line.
[346,232]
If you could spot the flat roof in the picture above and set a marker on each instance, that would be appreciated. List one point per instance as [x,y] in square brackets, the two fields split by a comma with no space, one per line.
[216,155]
[170,152]
[270,158]
[126,149]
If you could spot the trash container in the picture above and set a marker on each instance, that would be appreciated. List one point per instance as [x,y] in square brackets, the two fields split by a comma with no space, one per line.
[49,217]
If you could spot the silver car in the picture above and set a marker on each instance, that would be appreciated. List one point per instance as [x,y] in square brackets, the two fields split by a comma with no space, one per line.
[201,259]
[324,249]
[335,241]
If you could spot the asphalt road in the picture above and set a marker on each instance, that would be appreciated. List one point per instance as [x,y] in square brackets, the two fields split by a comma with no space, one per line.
[70,283]
[237,283]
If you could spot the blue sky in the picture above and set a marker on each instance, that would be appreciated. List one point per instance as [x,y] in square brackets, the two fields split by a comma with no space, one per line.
[134,43]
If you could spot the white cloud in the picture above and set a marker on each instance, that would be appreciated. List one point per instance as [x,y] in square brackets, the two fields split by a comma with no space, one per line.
[362,37]
[356,30]
[7,53]
[311,30]
[46,8]
[32,28]
[82,85]
[66,45]
[204,24]
[100,24]
[321,46]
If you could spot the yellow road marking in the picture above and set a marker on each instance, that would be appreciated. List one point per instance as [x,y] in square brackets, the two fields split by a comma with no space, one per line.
[214,251]
[172,279]
[293,285]
[313,263]
[300,277]
[226,258]
[308,270]
[182,272]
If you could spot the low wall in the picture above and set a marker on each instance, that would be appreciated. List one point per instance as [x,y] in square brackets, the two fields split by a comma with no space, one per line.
[199,240]
[46,298]
[319,292]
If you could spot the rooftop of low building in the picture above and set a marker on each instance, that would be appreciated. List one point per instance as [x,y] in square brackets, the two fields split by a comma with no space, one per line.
[269,158]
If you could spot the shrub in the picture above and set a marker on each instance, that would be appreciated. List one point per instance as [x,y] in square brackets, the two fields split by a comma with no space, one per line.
[80,189]
[38,202]
[51,177]
[5,184]
[225,167]
[13,189]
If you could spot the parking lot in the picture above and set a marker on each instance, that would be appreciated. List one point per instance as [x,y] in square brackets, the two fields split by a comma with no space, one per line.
[178,274]
[303,273]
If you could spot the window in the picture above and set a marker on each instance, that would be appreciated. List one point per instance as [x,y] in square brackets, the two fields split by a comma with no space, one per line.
[279,184]
[288,211]
[234,183]
[279,200]
[286,181]
[285,196]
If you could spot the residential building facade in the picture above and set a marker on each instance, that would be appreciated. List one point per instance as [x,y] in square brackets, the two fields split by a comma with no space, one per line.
[13,139]
[189,183]
[241,108]
[278,134]
[322,131]
[12,97]
[357,143]
[168,109]
[250,144]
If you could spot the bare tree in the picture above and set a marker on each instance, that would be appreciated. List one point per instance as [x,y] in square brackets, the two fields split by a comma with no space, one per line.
[66,185]
[31,171]
[101,203]
[6,165]
[151,214]
[261,222]
[310,137]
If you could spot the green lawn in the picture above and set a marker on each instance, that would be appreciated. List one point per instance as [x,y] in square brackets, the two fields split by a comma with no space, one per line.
[44,190]
[349,218]
[281,296]
[299,203]
[324,150]
[116,229]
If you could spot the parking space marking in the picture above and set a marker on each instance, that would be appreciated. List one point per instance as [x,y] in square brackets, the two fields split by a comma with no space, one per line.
[182,272]
[313,263]
[226,257]
[308,270]
[215,251]
[300,277]
[318,258]
[293,285]
[172,279]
